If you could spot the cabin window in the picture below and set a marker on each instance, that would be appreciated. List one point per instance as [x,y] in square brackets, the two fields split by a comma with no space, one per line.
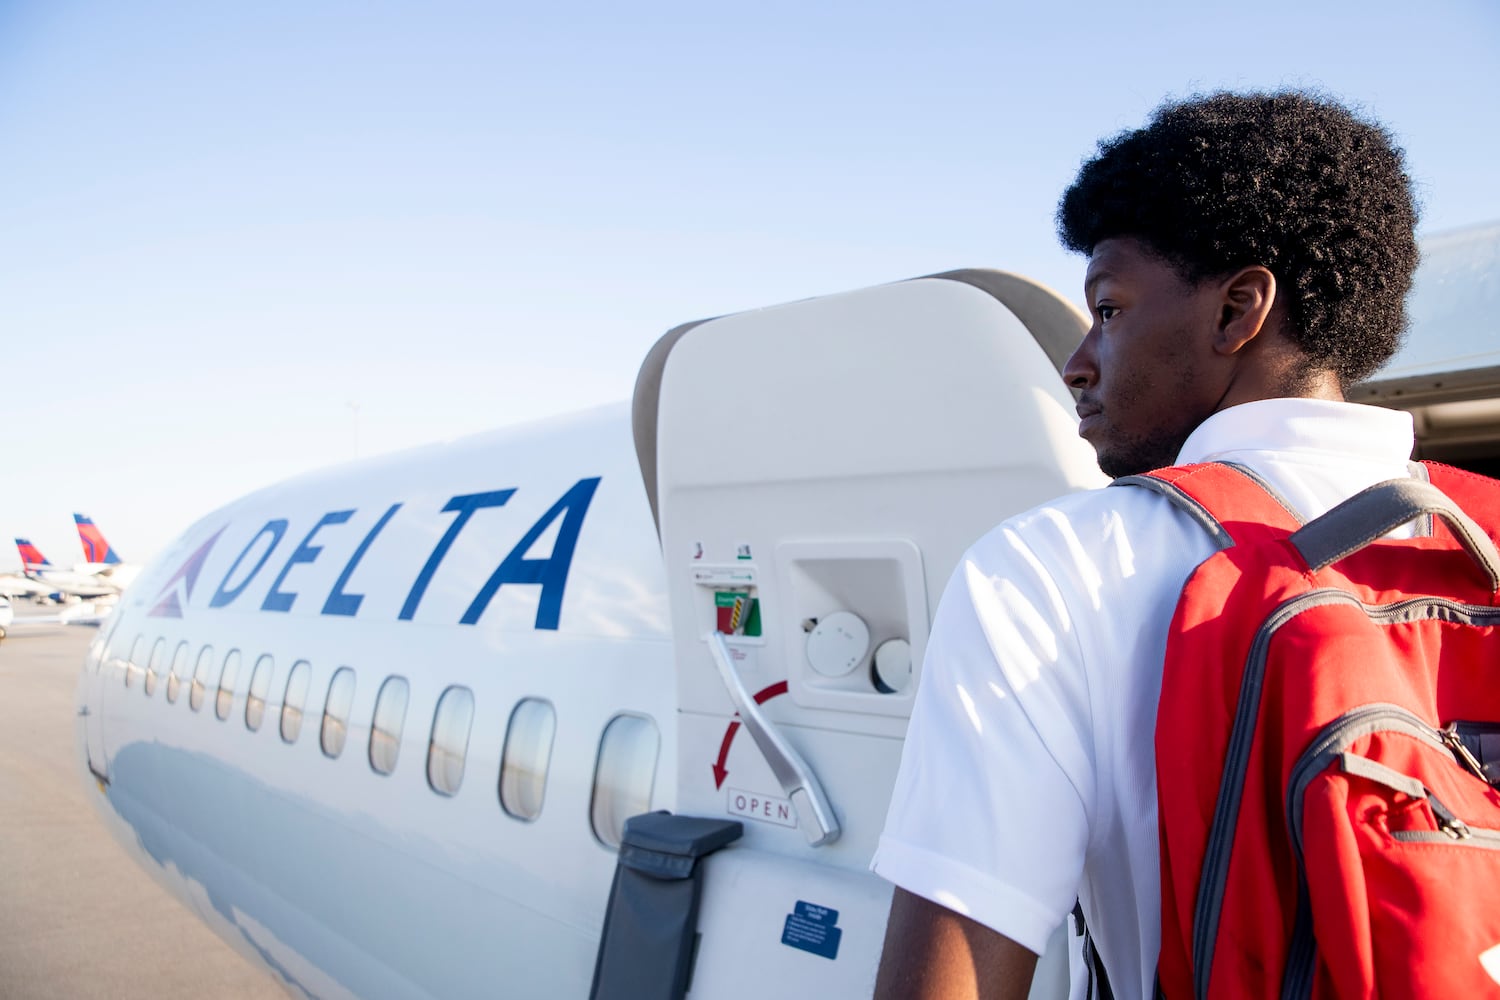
[231,672]
[133,663]
[385,729]
[260,686]
[179,671]
[528,753]
[623,775]
[450,740]
[155,664]
[294,699]
[200,677]
[336,711]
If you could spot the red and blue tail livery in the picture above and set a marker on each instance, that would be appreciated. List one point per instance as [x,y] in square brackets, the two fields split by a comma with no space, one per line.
[31,556]
[96,548]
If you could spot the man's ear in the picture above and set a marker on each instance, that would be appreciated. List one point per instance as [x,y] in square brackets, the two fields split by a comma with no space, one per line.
[1245,310]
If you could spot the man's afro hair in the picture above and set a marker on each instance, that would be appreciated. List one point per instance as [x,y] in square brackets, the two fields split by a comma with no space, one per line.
[1289,181]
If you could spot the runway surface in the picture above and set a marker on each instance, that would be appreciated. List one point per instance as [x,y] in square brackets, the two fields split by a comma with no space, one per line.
[78,918]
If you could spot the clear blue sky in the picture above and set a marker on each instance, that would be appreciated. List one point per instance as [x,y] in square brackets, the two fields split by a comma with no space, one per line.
[221,224]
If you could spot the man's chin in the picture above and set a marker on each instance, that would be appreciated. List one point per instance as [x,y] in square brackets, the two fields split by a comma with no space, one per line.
[1116,462]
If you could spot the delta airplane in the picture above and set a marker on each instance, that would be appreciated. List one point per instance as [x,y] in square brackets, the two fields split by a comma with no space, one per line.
[395,729]
[101,558]
[102,575]
[74,614]
[96,548]
[62,584]
[13,586]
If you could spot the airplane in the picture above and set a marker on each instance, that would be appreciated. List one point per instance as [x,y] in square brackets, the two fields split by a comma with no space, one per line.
[96,548]
[100,557]
[78,583]
[31,556]
[13,585]
[76,614]
[609,705]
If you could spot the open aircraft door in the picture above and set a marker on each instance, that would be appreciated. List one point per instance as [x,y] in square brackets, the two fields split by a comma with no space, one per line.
[816,471]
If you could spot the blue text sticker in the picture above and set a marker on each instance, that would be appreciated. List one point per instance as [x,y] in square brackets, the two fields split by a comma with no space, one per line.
[812,929]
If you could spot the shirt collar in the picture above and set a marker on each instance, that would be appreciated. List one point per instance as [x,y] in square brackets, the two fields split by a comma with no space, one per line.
[1306,425]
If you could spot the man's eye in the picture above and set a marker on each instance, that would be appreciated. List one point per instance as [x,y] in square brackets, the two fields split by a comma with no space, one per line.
[1105,313]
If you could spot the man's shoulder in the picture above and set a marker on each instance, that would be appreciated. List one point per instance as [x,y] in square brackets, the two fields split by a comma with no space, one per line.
[1112,545]
[1108,510]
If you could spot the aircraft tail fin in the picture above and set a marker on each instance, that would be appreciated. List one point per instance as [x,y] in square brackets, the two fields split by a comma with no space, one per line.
[96,548]
[31,556]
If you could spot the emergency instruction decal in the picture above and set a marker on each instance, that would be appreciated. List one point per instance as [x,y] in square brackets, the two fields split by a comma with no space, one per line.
[812,929]
[736,612]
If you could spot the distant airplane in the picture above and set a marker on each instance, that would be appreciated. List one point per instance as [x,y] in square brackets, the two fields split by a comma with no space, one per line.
[13,585]
[31,556]
[383,728]
[79,582]
[96,549]
[77,614]
[100,557]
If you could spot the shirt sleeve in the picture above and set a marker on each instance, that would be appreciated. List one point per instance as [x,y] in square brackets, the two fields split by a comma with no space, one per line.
[990,814]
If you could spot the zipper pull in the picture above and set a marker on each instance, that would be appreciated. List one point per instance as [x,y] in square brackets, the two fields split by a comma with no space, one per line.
[1447,821]
[1455,743]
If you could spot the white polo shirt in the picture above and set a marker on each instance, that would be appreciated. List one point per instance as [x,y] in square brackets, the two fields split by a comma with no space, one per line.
[1028,776]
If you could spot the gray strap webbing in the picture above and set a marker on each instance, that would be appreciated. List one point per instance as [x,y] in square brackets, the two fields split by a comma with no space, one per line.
[1184,503]
[1377,772]
[1202,514]
[1379,510]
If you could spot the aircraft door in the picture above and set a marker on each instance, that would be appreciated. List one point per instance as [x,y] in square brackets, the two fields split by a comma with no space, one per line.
[817,470]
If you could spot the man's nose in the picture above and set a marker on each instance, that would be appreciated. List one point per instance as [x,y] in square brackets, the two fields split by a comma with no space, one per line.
[1081,371]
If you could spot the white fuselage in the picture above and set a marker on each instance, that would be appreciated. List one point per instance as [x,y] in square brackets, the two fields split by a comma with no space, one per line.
[345,881]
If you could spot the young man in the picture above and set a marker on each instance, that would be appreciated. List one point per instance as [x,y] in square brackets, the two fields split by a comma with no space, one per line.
[1249,257]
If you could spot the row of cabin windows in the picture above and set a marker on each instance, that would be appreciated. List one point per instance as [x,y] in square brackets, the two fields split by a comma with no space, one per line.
[624,771]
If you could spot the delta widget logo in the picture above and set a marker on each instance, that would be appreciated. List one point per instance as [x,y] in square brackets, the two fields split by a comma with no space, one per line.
[176,593]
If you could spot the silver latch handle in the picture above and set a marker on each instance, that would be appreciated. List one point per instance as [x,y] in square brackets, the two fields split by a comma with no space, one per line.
[814,814]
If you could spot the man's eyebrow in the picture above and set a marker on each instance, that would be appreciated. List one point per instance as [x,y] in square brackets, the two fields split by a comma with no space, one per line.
[1094,279]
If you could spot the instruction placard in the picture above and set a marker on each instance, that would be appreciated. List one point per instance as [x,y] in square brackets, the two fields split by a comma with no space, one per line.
[812,929]
[737,612]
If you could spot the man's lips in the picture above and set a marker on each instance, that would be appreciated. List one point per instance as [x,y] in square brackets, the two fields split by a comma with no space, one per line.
[1088,415]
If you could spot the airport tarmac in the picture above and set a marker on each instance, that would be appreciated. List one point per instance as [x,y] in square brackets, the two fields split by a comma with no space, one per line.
[78,918]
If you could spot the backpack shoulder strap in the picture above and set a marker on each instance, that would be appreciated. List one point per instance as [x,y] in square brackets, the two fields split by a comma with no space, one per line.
[1232,502]
[1478,496]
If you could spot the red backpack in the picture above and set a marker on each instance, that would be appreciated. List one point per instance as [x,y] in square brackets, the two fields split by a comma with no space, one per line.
[1328,745]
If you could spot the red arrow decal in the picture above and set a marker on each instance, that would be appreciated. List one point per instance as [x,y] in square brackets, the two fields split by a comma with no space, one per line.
[720,772]
[761,697]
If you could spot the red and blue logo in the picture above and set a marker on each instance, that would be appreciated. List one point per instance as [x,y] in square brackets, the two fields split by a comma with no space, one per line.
[176,592]
[96,548]
[30,554]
